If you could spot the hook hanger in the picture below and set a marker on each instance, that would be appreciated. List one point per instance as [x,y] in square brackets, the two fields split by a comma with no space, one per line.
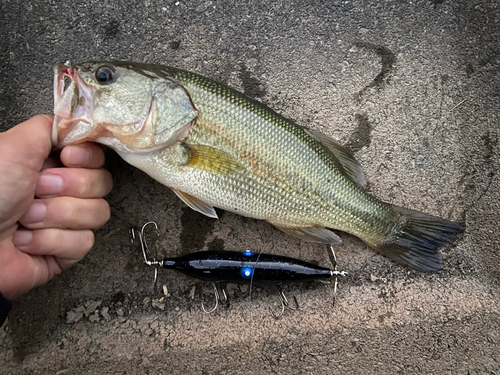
[335,273]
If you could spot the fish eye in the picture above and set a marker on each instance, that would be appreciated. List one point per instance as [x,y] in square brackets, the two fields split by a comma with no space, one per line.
[104,75]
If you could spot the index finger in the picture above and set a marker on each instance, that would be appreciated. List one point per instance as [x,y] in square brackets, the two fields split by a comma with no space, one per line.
[84,155]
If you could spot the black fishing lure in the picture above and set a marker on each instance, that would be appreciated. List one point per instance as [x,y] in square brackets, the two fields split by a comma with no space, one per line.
[244,267]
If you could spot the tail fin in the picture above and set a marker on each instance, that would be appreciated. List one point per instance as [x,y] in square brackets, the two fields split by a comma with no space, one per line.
[416,239]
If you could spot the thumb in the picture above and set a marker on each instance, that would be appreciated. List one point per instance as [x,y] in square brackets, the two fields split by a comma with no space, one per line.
[28,143]
[23,150]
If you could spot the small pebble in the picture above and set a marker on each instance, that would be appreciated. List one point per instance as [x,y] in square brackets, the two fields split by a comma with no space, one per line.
[105,313]
[74,315]
[192,292]
[94,318]
[251,63]
[91,306]
[157,304]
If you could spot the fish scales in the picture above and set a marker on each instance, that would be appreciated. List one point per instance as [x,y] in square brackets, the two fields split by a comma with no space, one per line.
[298,161]
[215,147]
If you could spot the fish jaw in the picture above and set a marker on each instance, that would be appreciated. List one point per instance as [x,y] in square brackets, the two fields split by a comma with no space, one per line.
[133,112]
[75,103]
[73,108]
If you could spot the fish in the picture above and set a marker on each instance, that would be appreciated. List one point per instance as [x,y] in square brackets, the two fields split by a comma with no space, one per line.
[216,147]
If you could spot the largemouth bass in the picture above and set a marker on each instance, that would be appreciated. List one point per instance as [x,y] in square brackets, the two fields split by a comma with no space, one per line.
[215,147]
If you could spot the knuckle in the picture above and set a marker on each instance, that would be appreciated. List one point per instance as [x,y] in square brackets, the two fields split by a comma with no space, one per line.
[85,184]
[107,181]
[59,237]
[95,183]
[50,238]
[99,213]
[106,211]
[97,158]
[64,211]
[87,240]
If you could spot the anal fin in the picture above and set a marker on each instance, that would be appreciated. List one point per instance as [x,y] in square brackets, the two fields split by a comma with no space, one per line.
[312,234]
[196,204]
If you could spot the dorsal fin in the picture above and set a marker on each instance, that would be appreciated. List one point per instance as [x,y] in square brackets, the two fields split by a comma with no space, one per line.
[211,160]
[350,165]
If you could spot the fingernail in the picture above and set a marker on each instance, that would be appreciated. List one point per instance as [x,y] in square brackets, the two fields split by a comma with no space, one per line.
[49,184]
[78,155]
[35,214]
[22,237]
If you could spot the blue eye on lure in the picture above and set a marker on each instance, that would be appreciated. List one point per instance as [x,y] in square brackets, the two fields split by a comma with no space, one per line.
[246,272]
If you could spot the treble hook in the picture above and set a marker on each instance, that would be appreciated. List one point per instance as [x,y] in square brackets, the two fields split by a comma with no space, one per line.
[284,303]
[145,249]
[336,273]
[224,302]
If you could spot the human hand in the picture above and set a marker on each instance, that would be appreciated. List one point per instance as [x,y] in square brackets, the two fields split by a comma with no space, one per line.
[46,214]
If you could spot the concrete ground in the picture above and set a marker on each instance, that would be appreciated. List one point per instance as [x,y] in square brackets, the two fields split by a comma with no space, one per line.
[412,89]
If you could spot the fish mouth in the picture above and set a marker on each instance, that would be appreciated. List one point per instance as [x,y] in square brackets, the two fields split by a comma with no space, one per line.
[72,107]
[73,116]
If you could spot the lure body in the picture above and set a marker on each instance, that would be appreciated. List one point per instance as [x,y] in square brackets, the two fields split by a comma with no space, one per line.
[243,267]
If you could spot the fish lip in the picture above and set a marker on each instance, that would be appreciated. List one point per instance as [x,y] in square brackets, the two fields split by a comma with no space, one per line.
[58,92]
[67,114]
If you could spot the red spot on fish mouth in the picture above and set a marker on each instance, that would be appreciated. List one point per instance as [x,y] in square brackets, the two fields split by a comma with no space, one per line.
[64,76]
[68,72]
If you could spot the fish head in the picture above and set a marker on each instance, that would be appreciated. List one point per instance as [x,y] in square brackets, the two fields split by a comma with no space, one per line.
[122,105]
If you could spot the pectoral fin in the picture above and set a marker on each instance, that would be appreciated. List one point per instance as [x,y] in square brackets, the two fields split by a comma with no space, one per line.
[350,166]
[196,204]
[320,234]
[211,160]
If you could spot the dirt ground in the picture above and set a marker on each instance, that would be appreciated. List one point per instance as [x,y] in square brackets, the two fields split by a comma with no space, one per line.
[412,89]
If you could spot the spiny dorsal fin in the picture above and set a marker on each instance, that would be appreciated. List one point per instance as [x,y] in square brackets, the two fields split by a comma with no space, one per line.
[196,204]
[211,160]
[350,165]
[321,234]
